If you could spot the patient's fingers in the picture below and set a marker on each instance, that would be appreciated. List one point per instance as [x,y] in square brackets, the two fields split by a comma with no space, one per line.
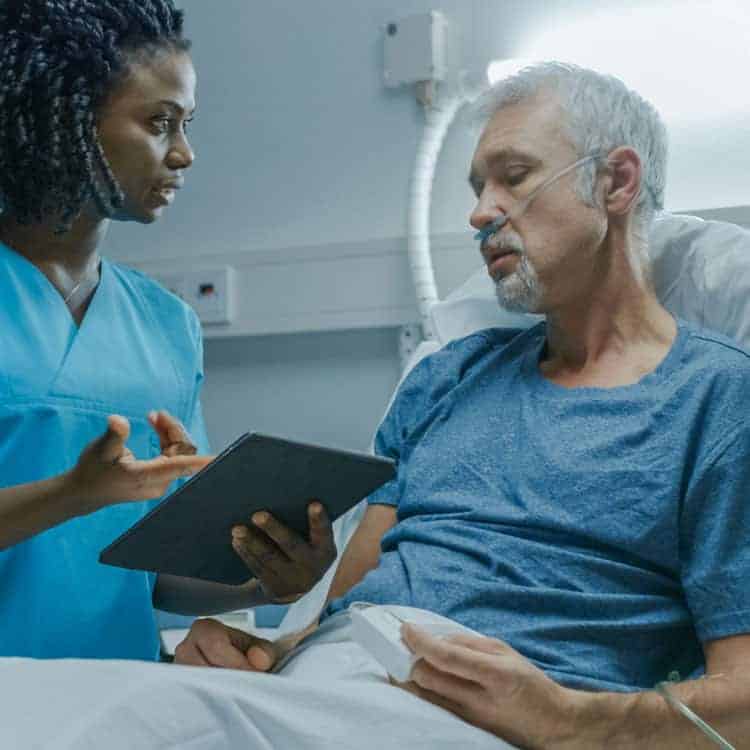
[422,692]
[211,643]
[459,690]
[461,661]
[479,643]
[262,656]
[221,652]
[259,653]
[187,653]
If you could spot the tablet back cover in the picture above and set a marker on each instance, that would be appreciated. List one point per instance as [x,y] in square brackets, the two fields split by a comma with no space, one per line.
[189,533]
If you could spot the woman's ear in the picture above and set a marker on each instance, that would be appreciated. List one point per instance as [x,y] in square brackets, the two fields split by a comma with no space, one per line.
[626,174]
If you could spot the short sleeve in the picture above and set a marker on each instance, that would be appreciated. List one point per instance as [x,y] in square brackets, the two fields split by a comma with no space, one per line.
[715,540]
[389,440]
[412,409]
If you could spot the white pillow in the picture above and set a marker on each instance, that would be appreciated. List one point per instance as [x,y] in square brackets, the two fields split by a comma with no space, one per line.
[701,272]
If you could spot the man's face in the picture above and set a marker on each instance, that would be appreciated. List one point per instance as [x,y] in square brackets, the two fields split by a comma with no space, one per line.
[142,129]
[540,257]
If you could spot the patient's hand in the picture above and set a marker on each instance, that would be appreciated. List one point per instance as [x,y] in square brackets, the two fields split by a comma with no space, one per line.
[489,684]
[286,565]
[210,643]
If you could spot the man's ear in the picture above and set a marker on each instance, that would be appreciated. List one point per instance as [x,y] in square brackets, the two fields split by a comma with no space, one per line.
[626,174]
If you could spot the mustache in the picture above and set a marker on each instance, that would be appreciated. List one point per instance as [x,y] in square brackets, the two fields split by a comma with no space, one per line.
[507,242]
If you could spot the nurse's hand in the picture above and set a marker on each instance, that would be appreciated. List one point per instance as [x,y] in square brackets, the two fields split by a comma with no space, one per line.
[212,644]
[286,565]
[107,471]
[173,437]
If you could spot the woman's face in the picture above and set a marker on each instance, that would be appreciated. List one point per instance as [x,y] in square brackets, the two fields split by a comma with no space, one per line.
[142,129]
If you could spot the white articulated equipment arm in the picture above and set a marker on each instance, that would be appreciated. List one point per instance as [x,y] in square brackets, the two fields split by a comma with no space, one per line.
[439,116]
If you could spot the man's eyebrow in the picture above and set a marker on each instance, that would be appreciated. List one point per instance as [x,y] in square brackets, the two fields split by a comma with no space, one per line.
[498,158]
[506,154]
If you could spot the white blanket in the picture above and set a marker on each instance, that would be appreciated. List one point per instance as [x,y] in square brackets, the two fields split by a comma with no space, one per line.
[330,694]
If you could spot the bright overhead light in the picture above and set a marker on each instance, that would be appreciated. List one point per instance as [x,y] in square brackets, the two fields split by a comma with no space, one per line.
[499,69]
[690,63]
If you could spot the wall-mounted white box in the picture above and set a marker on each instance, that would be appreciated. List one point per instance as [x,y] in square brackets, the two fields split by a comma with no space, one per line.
[211,292]
[415,49]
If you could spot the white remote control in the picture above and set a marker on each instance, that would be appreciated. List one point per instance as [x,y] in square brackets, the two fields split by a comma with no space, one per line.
[377,628]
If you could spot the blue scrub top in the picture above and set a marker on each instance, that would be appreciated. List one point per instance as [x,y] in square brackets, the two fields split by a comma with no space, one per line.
[138,348]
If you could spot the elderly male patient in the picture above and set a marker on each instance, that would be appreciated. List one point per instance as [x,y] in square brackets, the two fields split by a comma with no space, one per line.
[579,491]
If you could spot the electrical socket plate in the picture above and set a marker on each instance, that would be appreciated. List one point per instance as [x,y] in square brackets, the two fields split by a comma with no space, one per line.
[210,292]
[415,49]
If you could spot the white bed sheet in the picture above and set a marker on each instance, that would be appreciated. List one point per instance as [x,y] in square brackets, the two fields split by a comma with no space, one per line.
[330,695]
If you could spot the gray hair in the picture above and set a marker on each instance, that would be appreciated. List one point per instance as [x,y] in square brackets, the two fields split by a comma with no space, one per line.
[601,115]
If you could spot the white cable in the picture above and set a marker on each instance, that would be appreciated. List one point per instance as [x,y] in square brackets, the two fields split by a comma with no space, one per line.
[439,116]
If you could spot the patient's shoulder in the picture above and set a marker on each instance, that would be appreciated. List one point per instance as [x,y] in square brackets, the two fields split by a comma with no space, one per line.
[712,353]
[442,370]
[436,375]
[511,341]
[714,374]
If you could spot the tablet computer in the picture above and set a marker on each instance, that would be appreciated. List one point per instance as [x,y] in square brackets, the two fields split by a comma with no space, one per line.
[189,533]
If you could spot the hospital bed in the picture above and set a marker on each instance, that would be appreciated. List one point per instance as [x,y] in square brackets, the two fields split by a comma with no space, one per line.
[701,273]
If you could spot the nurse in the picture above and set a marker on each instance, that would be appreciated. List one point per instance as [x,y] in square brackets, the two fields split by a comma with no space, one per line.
[95,101]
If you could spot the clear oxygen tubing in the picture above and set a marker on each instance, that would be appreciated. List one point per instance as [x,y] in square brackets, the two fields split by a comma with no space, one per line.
[439,116]
[493,226]
[663,688]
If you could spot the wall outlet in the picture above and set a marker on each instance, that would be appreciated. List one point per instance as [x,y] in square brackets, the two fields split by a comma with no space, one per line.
[210,292]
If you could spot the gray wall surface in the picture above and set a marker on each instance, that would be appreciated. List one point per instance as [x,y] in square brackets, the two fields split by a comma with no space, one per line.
[328,388]
[298,142]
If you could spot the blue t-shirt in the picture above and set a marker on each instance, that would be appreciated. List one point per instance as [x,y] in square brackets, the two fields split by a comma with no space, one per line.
[603,533]
[138,348]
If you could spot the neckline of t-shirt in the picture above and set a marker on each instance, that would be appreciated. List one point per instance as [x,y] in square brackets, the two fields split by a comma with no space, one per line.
[14,256]
[46,286]
[659,374]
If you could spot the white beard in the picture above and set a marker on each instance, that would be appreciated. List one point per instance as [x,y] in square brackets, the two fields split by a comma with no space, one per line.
[520,291]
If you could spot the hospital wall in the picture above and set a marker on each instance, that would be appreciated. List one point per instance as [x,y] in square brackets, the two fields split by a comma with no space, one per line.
[301,181]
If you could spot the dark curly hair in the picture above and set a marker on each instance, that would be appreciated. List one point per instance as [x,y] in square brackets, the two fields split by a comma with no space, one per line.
[59,59]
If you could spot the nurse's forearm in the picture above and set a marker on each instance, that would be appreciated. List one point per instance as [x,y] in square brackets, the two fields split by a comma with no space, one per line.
[189,596]
[29,509]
